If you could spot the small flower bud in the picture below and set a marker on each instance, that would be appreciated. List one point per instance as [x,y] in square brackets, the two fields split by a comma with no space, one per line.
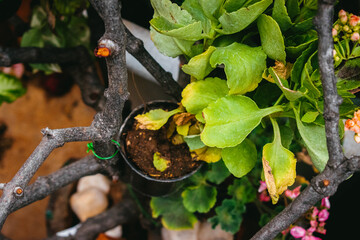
[323,215]
[334,53]
[334,32]
[357,138]
[342,13]
[337,58]
[355,37]
[349,123]
[337,27]
[346,28]
[354,20]
[343,19]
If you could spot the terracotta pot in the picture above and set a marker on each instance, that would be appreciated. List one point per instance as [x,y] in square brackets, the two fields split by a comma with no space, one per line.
[139,180]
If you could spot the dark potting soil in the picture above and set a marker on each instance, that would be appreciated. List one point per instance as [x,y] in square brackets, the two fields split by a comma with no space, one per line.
[141,144]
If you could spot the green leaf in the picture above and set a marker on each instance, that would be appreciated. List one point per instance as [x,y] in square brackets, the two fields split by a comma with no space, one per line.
[280,14]
[194,142]
[199,66]
[211,8]
[32,38]
[307,81]
[198,95]
[230,119]
[38,17]
[293,8]
[244,66]
[228,215]
[300,62]
[236,21]
[233,5]
[174,214]
[155,119]
[271,37]
[195,9]
[240,159]
[242,190]
[199,198]
[309,117]
[190,32]
[279,165]
[217,173]
[10,88]
[171,12]
[161,164]
[315,142]
[291,95]
[287,135]
[170,46]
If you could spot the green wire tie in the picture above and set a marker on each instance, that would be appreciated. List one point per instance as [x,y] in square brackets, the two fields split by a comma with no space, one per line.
[91,147]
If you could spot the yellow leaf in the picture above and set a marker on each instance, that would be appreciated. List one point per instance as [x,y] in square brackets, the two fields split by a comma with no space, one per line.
[207,154]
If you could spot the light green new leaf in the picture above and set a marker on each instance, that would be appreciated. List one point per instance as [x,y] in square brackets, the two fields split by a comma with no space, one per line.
[194,8]
[315,142]
[198,95]
[174,214]
[291,95]
[309,117]
[171,12]
[199,198]
[10,88]
[279,165]
[244,66]
[271,37]
[199,66]
[233,5]
[170,46]
[228,215]
[281,16]
[236,21]
[240,159]
[194,142]
[230,119]
[211,8]
[161,164]
[155,119]
[190,32]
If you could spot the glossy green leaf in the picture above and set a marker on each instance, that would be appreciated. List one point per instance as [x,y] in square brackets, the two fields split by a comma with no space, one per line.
[174,215]
[315,141]
[230,119]
[161,164]
[199,66]
[242,190]
[10,88]
[217,172]
[190,32]
[271,37]
[279,165]
[228,215]
[155,119]
[280,14]
[236,21]
[199,198]
[291,95]
[244,66]
[198,95]
[309,117]
[306,78]
[240,159]
[170,46]
[194,142]
[300,63]
[171,12]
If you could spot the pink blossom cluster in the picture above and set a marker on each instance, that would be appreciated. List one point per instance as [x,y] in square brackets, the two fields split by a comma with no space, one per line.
[354,125]
[347,27]
[317,217]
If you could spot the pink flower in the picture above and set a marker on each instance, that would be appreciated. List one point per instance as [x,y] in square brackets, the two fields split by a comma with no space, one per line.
[311,229]
[342,13]
[292,194]
[323,215]
[314,213]
[262,186]
[334,32]
[298,232]
[321,228]
[310,237]
[354,20]
[264,197]
[313,223]
[325,202]
[355,37]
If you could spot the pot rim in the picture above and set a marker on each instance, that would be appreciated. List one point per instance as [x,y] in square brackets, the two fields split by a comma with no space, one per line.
[130,163]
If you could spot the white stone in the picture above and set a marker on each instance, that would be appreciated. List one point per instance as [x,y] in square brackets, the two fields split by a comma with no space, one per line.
[207,233]
[116,232]
[88,203]
[188,234]
[94,181]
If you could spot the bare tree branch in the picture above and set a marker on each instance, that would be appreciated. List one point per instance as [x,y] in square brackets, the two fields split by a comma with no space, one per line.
[46,185]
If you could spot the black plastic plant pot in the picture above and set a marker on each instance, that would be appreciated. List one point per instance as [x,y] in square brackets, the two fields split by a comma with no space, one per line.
[131,173]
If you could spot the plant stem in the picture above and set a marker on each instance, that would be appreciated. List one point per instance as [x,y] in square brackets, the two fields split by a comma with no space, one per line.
[279,99]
